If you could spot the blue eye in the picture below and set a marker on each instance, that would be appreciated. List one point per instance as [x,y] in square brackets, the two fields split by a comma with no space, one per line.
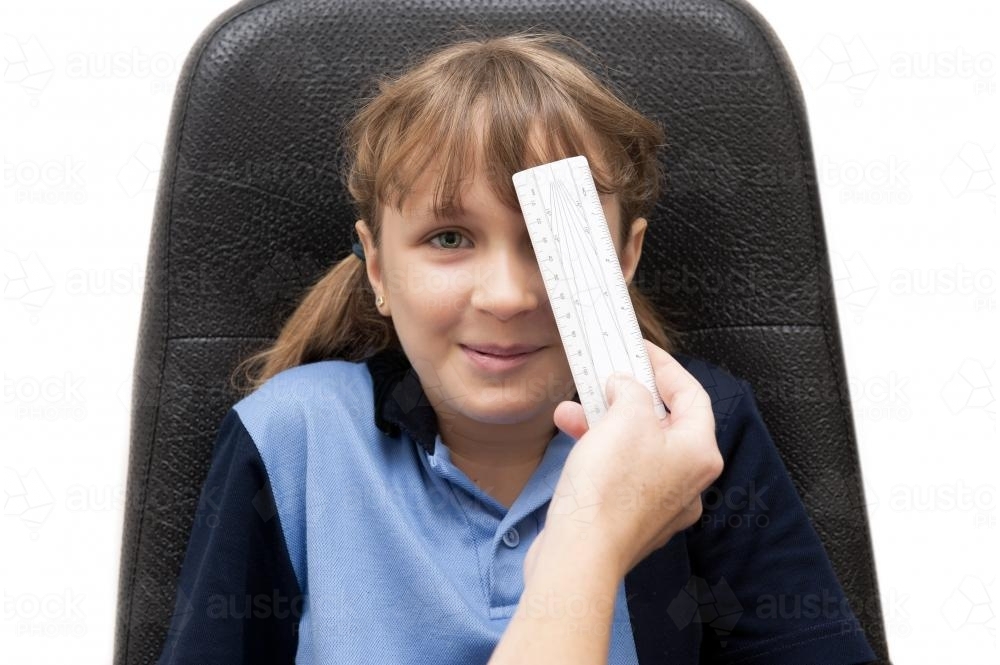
[446,233]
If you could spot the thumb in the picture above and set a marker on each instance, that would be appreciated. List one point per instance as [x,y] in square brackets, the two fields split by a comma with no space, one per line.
[570,418]
[620,386]
[625,394]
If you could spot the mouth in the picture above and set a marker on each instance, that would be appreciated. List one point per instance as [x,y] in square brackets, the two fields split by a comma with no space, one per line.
[502,351]
[502,360]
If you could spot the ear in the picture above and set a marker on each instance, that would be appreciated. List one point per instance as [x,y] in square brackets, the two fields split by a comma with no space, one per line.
[373,262]
[633,248]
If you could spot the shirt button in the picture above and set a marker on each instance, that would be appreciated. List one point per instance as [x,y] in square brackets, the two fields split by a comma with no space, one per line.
[511,538]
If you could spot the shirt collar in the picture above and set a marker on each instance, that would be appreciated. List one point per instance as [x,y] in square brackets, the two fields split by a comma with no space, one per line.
[400,402]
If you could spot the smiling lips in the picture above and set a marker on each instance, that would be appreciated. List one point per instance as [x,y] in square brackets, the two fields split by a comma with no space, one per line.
[503,351]
[505,358]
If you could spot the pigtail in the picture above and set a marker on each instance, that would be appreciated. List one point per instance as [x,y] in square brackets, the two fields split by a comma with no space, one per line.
[335,319]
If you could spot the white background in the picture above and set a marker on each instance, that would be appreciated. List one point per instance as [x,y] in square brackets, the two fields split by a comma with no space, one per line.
[899,96]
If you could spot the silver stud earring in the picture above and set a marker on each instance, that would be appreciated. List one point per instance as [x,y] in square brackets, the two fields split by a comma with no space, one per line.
[380,301]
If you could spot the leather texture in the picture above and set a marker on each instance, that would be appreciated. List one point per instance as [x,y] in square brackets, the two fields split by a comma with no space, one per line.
[251,210]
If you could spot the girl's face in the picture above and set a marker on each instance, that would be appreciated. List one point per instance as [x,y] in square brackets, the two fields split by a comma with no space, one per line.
[473,280]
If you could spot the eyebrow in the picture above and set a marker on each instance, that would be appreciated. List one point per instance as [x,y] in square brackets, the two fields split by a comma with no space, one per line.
[446,213]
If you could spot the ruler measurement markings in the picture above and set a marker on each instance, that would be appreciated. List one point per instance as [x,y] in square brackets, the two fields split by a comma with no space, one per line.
[639,365]
[586,288]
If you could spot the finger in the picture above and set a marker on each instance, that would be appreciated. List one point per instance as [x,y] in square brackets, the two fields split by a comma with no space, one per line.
[570,418]
[627,397]
[679,389]
[689,403]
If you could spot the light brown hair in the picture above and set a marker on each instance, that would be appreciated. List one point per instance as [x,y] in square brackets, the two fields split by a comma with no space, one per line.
[522,82]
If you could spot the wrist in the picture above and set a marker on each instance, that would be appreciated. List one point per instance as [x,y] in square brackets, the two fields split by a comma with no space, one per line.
[572,543]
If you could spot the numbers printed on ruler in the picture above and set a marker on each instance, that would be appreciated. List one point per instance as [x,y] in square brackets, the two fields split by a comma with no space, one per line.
[584,280]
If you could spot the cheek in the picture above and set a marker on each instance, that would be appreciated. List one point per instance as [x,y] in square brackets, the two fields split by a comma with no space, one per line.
[433,293]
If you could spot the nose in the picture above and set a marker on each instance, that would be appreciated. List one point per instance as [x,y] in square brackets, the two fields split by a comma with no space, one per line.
[510,283]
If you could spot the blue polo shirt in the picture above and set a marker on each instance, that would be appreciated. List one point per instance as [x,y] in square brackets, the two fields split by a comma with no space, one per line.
[333,528]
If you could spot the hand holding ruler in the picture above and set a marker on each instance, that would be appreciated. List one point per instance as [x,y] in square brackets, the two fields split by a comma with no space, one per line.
[584,280]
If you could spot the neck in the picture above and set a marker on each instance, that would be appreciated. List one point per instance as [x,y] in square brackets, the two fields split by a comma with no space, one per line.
[499,459]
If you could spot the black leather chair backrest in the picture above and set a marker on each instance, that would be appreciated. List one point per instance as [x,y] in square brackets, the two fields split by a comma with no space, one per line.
[251,210]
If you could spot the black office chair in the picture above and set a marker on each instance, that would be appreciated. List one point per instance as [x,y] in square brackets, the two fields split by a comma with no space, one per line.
[251,210]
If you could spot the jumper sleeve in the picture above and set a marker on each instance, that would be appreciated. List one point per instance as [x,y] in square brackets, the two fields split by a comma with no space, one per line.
[238,600]
[766,591]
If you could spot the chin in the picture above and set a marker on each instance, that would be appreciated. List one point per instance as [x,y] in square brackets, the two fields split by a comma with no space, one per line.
[499,412]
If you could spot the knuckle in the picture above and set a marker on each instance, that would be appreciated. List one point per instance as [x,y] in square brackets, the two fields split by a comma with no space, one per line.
[716,464]
[694,512]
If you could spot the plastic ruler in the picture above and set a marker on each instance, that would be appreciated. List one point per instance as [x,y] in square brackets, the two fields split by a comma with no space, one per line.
[584,280]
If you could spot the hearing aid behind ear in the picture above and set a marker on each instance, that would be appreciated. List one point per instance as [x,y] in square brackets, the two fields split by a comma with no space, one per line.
[584,280]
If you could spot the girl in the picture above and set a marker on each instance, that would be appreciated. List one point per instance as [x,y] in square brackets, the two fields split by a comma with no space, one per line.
[410,477]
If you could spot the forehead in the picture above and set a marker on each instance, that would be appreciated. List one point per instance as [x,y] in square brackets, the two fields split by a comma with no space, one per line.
[477,183]
[470,165]
[469,190]
[475,201]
